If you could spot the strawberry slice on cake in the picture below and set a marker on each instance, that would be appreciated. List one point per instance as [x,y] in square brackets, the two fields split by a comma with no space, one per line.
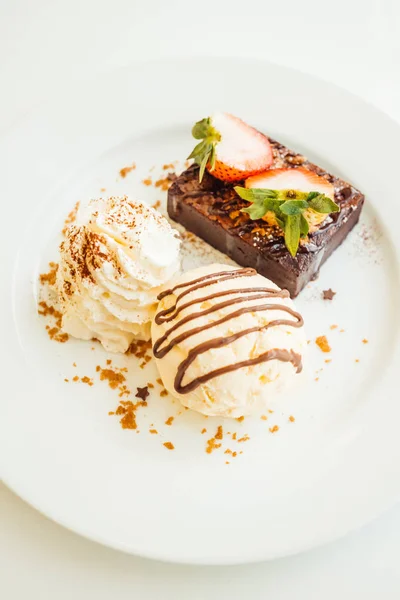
[230,149]
[299,179]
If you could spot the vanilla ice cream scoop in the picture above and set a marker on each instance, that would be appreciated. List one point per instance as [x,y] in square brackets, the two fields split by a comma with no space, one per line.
[113,263]
[226,340]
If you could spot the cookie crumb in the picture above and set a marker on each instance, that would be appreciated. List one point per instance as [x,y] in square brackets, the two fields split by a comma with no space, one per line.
[125,170]
[274,429]
[169,445]
[211,445]
[220,434]
[322,343]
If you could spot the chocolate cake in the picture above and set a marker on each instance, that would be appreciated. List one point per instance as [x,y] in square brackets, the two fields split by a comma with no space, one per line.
[211,210]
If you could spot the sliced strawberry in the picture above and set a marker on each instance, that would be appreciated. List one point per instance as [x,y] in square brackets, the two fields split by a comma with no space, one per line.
[300,179]
[230,149]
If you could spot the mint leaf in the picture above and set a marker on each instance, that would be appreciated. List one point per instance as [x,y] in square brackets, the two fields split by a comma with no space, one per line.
[292,233]
[312,195]
[255,194]
[256,210]
[262,201]
[323,204]
[293,207]
[259,208]
[304,227]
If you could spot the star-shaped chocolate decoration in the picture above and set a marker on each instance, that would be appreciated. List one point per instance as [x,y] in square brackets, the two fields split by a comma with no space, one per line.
[328,294]
[172,176]
[142,393]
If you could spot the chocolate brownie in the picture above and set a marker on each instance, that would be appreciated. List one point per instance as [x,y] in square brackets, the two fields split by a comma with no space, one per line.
[211,210]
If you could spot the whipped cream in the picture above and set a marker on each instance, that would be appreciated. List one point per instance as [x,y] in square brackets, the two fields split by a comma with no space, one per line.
[113,263]
[209,343]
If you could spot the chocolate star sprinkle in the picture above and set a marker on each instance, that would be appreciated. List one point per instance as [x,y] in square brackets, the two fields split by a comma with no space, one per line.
[142,393]
[328,294]
[172,176]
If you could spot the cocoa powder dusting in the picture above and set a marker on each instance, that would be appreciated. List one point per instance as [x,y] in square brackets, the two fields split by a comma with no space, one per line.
[50,277]
[71,218]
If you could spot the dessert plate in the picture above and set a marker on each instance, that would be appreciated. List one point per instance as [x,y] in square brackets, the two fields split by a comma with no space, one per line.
[326,458]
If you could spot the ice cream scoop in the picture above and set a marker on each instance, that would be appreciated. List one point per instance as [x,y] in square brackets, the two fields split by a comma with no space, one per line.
[226,340]
[113,263]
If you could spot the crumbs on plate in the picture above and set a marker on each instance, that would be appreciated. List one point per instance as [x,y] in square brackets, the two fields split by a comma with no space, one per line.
[125,170]
[322,343]
[71,218]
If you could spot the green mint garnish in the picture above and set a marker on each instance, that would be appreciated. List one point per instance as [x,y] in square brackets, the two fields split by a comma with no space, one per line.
[323,204]
[304,226]
[292,233]
[293,208]
[262,201]
[289,207]
[204,152]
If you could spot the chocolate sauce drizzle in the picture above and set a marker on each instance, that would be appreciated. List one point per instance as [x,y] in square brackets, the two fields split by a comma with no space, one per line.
[245,295]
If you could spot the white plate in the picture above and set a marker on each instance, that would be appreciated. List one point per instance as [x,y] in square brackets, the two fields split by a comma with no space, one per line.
[336,466]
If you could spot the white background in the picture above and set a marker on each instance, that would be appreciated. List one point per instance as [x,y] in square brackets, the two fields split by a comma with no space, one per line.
[44,44]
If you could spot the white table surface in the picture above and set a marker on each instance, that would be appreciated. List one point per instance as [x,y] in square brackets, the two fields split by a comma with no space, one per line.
[45,43]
